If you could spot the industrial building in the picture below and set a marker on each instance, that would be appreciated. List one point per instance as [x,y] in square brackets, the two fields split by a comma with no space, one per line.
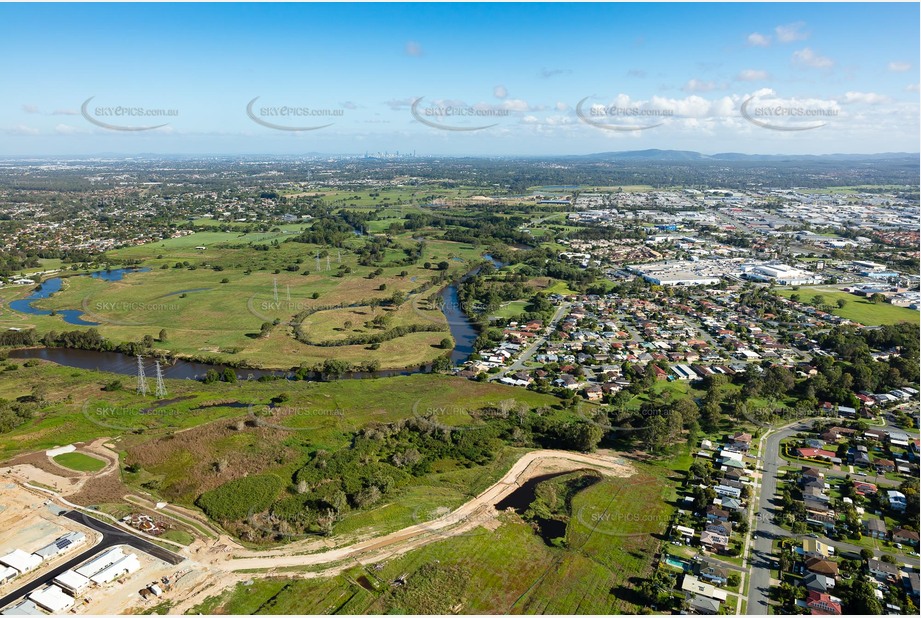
[61,545]
[72,582]
[21,561]
[780,274]
[53,599]
[24,608]
[100,562]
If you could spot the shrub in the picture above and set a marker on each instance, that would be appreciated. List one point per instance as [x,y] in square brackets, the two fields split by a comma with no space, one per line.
[235,500]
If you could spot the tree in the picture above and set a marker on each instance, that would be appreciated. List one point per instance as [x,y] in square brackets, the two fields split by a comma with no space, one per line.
[841,303]
[446,343]
[162,336]
[230,375]
[877,298]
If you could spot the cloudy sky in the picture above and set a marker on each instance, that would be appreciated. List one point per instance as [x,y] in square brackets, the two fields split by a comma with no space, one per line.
[458,79]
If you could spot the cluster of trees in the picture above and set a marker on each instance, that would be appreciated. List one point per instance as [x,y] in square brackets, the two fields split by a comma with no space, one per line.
[382,458]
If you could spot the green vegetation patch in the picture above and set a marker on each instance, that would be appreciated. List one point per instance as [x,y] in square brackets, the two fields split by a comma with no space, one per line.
[80,462]
[236,499]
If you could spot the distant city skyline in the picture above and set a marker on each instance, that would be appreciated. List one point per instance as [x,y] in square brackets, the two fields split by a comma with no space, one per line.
[459,79]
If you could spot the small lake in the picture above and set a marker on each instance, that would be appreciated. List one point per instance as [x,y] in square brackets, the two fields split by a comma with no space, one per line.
[71,316]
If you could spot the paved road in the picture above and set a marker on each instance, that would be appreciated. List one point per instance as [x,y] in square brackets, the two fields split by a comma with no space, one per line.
[111,536]
[764,529]
[528,352]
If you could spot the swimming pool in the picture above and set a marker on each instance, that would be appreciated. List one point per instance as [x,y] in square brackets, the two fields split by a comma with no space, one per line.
[678,564]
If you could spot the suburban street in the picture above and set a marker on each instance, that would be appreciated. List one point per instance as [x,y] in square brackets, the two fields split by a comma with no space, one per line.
[765,531]
[528,352]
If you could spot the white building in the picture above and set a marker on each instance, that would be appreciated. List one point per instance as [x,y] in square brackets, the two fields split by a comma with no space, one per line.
[25,608]
[71,581]
[127,565]
[21,561]
[53,599]
[781,274]
[7,573]
[100,562]
[61,545]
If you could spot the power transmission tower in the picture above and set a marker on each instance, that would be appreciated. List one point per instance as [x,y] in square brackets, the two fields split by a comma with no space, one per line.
[142,379]
[340,255]
[318,261]
[288,293]
[160,391]
[327,262]
[275,289]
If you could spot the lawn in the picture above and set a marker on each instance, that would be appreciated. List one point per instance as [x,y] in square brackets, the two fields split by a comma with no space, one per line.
[857,308]
[80,462]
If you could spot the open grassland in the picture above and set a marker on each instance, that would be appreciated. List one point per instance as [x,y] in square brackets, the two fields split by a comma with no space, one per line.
[216,310]
[610,538]
[857,308]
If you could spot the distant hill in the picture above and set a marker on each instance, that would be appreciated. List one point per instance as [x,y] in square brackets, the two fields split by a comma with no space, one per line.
[655,154]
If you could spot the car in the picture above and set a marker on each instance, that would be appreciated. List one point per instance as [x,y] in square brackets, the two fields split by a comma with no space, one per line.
[898,545]
[861,474]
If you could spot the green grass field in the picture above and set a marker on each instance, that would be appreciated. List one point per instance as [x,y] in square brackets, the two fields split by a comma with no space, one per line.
[609,540]
[857,308]
[217,315]
[80,462]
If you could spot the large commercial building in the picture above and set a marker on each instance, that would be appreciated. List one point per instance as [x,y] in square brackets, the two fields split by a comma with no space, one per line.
[780,274]
[53,599]
[21,561]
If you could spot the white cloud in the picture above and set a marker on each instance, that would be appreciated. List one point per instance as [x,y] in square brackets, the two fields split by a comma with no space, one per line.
[899,67]
[64,129]
[21,129]
[912,88]
[751,75]
[638,73]
[413,49]
[400,104]
[870,98]
[756,39]
[65,112]
[791,32]
[561,107]
[30,109]
[500,92]
[515,105]
[696,85]
[548,73]
[807,57]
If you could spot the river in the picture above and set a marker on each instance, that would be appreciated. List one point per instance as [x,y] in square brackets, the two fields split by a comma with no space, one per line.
[463,330]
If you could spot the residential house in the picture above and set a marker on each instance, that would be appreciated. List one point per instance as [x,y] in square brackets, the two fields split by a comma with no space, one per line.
[712,572]
[819,583]
[896,500]
[823,604]
[704,606]
[906,537]
[876,529]
[741,441]
[822,566]
[714,513]
[714,541]
[883,571]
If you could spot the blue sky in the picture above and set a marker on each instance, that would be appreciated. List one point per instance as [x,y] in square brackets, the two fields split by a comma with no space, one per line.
[647,76]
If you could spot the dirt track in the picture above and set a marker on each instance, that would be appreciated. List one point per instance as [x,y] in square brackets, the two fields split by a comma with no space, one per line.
[220,562]
[476,512]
